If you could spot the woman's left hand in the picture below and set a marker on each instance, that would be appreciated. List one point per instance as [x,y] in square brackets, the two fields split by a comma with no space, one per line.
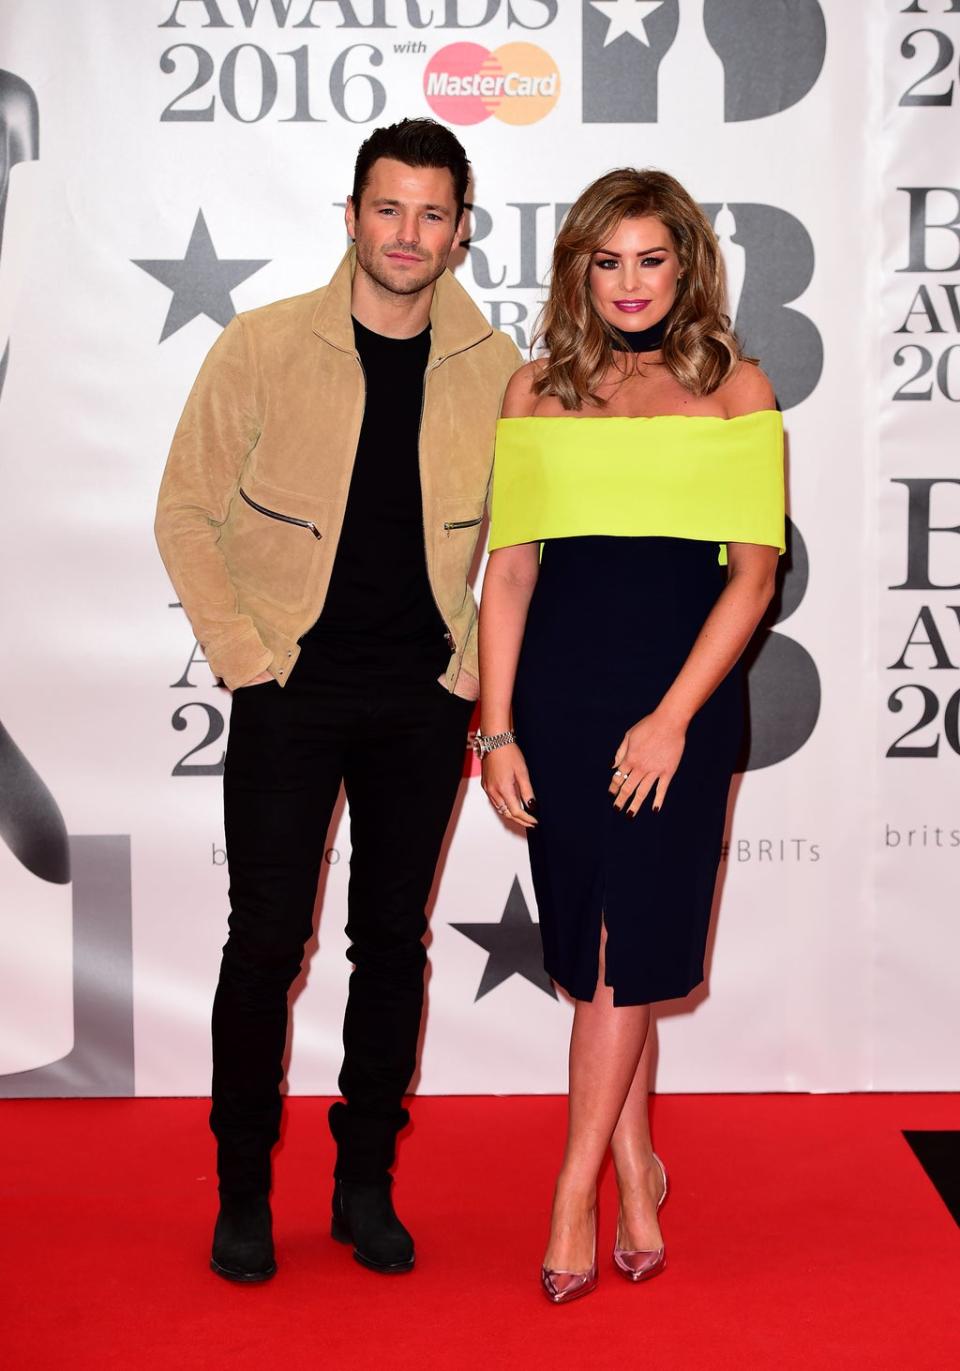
[648,757]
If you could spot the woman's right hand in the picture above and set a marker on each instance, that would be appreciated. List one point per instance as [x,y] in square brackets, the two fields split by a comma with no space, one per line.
[506,783]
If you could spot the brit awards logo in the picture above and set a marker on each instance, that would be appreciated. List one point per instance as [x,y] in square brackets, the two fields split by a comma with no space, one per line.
[771,56]
[66,933]
[769,259]
[783,684]
[919,437]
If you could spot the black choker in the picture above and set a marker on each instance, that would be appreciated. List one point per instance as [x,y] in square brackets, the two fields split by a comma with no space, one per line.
[644,340]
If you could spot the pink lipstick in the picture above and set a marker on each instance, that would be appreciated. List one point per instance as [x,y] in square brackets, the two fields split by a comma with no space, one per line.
[631,306]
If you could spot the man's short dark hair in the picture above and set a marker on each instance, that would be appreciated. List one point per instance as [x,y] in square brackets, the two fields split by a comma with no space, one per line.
[416,143]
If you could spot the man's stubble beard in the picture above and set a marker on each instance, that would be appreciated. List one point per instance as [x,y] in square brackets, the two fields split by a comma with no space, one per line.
[370,259]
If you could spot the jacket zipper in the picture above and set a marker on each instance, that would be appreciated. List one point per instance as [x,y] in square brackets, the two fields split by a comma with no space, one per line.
[451,640]
[463,523]
[284,518]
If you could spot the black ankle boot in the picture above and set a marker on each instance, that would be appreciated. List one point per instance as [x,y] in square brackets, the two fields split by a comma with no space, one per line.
[243,1239]
[363,1215]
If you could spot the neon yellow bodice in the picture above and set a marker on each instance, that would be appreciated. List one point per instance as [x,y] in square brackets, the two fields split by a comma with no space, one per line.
[672,476]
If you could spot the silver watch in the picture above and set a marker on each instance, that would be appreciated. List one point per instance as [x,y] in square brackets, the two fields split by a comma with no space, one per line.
[489,742]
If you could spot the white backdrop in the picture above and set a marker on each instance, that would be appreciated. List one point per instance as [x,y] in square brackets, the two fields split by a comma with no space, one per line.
[813,132]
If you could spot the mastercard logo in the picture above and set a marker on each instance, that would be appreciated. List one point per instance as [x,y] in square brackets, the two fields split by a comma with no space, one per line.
[466,83]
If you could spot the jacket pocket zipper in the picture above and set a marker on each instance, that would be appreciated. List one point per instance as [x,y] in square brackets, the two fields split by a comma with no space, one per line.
[284,518]
[460,523]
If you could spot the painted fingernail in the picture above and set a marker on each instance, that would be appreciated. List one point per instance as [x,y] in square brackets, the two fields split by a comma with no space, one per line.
[656,809]
[530,804]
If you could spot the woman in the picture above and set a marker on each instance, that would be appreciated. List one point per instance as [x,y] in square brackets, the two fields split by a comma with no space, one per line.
[631,561]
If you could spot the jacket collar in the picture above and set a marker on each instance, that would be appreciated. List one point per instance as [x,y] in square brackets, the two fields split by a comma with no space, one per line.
[455,321]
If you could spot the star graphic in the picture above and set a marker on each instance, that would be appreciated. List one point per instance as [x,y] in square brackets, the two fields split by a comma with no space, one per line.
[627,16]
[513,945]
[200,280]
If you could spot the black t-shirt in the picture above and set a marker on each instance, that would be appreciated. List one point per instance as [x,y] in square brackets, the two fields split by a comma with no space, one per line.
[380,613]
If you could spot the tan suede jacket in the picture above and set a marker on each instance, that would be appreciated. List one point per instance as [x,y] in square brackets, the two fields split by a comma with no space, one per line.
[255,487]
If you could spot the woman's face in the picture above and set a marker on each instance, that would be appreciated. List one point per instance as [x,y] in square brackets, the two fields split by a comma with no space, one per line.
[634,273]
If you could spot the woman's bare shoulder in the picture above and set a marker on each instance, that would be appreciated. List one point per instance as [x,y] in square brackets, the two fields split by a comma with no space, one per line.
[746,391]
[520,398]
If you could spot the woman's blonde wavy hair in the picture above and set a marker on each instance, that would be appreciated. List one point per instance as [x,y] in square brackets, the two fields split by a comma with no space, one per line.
[699,348]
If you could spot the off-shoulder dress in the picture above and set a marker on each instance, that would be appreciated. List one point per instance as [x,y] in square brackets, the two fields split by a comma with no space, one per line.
[633,517]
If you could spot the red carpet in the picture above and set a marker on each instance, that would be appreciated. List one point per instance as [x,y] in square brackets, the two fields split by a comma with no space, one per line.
[801,1232]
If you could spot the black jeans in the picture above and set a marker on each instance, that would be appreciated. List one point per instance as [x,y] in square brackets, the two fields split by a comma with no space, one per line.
[399,748]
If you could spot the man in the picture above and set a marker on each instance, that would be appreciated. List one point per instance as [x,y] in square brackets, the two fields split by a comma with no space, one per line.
[318,517]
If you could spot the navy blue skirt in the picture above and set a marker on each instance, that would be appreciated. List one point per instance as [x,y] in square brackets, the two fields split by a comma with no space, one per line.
[611,622]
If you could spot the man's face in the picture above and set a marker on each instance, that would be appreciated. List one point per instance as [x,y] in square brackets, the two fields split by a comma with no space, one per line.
[406,225]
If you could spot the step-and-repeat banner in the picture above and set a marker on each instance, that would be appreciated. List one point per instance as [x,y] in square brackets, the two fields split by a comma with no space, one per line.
[166,163]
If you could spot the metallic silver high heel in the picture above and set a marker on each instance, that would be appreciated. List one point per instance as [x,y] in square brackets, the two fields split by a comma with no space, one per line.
[637,1264]
[560,1287]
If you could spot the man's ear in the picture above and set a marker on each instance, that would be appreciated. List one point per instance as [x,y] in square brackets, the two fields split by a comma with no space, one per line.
[350,217]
